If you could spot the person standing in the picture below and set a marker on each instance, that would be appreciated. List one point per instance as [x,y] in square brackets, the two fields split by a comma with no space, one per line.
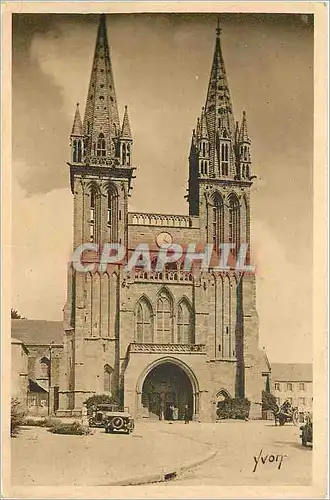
[186,414]
[84,416]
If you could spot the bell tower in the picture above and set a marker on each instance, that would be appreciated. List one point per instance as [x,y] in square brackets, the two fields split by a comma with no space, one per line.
[101,171]
[220,164]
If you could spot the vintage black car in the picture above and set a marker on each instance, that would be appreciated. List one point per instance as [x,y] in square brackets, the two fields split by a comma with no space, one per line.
[98,414]
[119,421]
[307,431]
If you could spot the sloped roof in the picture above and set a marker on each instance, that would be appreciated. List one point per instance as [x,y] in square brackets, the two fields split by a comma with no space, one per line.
[34,331]
[292,372]
[265,364]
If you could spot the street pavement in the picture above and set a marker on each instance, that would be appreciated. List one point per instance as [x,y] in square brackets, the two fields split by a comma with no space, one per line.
[281,458]
[40,458]
[247,453]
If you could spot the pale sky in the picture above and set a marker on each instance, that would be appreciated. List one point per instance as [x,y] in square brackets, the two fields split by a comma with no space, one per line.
[161,67]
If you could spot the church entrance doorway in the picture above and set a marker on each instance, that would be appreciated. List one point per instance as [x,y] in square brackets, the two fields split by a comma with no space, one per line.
[165,392]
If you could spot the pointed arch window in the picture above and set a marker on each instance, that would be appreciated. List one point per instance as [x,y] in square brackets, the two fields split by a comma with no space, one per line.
[92,217]
[101,146]
[185,327]
[107,378]
[128,155]
[44,367]
[79,151]
[95,214]
[112,215]
[164,319]
[224,158]
[74,151]
[123,154]
[217,222]
[144,322]
[234,223]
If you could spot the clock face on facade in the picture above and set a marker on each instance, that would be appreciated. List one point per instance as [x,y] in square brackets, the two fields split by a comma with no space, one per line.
[164,239]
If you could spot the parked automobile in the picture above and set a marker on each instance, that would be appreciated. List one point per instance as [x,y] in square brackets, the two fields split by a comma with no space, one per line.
[307,431]
[119,421]
[98,414]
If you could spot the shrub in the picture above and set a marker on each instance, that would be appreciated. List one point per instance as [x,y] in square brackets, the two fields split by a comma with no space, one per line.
[75,429]
[98,399]
[44,422]
[16,417]
[269,402]
[238,408]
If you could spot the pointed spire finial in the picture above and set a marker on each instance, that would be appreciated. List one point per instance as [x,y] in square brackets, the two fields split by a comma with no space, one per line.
[218,30]
[203,125]
[77,127]
[243,134]
[126,129]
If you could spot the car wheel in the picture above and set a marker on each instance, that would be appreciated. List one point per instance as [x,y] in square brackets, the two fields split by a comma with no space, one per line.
[295,418]
[117,423]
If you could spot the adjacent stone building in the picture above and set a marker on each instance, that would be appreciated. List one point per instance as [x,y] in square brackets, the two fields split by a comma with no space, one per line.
[37,347]
[159,338]
[19,371]
[293,381]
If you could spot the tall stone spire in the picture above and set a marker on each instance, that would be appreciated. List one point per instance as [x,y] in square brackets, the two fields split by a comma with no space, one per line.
[101,121]
[218,107]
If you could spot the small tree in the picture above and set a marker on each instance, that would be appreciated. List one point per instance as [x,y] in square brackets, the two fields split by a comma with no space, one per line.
[269,402]
[98,399]
[16,417]
[15,314]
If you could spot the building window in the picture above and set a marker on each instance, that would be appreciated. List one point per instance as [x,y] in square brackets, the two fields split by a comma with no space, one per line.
[234,232]
[277,386]
[217,222]
[144,328]
[112,217]
[123,154]
[164,319]
[302,401]
[44,367]
[185,330]
[224,158]
[301,386]
[289,386]
[107,378]
[128,154]
[290,400]
[101,149]
[92,217]
[74,151]
[79,152]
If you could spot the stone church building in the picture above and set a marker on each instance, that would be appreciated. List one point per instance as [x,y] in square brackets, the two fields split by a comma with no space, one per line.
[155,339]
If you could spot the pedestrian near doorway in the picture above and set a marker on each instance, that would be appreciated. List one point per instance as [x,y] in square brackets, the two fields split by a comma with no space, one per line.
[186,414]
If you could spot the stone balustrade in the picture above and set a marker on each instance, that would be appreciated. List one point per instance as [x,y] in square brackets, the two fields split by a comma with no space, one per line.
[167,348]
[170,276]
[164,220]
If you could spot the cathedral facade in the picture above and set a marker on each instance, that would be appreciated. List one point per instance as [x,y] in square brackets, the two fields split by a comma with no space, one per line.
[159,338]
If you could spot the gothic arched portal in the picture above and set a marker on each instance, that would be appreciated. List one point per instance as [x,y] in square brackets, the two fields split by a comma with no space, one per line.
[165,386]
